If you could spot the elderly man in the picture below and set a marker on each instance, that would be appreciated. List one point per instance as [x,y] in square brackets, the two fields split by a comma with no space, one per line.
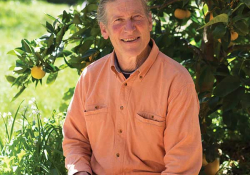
[134,111]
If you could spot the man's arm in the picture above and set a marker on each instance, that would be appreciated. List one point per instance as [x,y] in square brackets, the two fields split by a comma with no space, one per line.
[182,138]
[76,146]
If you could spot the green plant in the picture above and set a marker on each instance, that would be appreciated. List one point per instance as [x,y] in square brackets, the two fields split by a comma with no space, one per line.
[32,146]
[17,21]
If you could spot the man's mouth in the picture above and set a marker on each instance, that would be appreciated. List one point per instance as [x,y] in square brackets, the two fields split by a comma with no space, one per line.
[130,39]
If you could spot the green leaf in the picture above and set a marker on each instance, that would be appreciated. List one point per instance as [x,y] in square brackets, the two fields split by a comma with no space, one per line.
[63,66]
[219,31]
[198,2]
[49,27]
[92,7]
[19,93]
[20,63]
[65,17]
[85,46]
[229,102]
[230,119]
[220,18]
[67,52]
[51,67]
[241,27]
[20,70]
[52,77]
[50,16]
[89,53]
[247,2]
[67,62]
[11,68]
[206,77]
[237,7]
[12,52]
[95,31]
[10,79]
[67,95]
[13,122]
[213,102]
[26,46]
[51,40]
[79,33]
[185,2]
[59,35]
[225,41]
[226,86]
[77,19]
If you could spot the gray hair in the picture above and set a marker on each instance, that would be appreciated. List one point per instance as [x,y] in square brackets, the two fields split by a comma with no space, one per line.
[101,11]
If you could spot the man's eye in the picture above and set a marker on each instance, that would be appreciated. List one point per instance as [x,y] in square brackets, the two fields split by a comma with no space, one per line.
[118,19]
[137,17]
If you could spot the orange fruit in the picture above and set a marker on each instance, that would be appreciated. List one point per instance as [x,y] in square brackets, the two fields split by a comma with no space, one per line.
[213,167]
[204,161]
[234,36]
[87,63]
[188,13]
[180,14]
[211,16]
[37,72]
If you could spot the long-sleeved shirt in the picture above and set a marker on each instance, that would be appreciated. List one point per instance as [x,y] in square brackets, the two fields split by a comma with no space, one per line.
[144,125]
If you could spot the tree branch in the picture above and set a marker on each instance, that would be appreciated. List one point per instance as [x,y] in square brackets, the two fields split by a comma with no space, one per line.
[238,47]
[164,5]
[195,49]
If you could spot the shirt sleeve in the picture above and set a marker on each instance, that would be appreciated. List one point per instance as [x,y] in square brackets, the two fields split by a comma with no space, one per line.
[182,137]
[76,146]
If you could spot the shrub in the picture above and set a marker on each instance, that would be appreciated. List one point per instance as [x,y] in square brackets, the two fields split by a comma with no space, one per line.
[35,147]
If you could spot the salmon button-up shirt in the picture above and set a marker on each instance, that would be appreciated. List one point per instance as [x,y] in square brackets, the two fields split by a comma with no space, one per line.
[144,125]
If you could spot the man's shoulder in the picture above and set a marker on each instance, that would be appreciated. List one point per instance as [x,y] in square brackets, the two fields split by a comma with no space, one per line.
[96,65]
[174,70]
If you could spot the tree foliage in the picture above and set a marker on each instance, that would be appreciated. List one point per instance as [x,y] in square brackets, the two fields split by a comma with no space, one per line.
[205,43]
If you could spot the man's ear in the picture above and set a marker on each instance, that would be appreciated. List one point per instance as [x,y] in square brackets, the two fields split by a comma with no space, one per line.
[104,31]
[150,21]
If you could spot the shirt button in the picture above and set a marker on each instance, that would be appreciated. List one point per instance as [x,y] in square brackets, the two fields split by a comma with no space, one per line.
[125,84]
[117,155]
[96,107]
[140,77]
[121,107]
[120,131]
[152,116]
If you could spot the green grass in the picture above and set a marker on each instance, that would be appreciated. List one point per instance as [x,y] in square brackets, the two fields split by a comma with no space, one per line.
[18,21]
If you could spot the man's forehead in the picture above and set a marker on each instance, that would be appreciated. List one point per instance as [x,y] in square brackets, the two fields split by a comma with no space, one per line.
[121,7]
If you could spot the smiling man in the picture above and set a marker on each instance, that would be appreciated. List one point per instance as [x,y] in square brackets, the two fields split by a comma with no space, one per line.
[134,111]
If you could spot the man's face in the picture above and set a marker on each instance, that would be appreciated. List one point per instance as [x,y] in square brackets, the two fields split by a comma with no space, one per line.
[128,27]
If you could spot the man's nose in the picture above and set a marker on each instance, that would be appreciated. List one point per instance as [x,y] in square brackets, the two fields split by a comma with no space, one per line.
[129,26]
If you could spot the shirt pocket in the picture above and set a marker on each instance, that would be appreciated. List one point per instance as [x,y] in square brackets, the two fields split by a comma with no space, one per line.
[151,118]
[95,111]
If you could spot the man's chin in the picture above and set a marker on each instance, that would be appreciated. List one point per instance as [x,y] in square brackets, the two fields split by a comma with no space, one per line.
[131,52]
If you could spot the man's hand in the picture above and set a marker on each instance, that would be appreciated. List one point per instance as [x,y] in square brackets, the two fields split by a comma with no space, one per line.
[82,173]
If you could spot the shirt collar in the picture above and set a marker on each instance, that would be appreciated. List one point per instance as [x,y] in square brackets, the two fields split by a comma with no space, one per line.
[144,68]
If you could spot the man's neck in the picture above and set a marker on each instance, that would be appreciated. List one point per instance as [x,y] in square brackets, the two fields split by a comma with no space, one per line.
[129,64]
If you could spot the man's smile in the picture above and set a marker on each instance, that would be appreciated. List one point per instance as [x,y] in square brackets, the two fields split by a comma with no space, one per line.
[130,39]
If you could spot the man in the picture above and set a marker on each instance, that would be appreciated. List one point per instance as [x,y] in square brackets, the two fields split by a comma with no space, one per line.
[134,111]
